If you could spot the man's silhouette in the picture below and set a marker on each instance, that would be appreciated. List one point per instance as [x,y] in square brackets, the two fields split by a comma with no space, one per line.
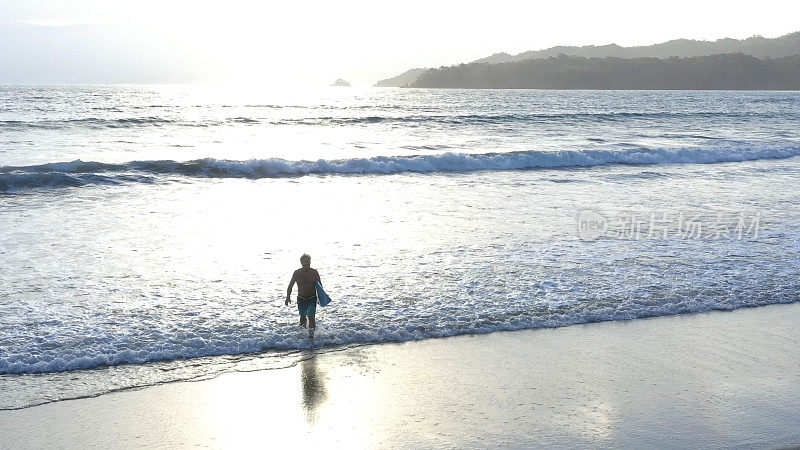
[305,277]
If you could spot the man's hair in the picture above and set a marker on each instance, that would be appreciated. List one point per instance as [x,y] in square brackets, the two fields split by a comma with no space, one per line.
[305,257]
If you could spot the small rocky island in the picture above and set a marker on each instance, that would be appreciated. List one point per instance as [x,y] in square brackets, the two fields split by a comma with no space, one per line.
[341,82]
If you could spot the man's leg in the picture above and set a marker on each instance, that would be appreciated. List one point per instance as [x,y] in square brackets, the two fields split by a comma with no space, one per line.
[302,310]
[311,311]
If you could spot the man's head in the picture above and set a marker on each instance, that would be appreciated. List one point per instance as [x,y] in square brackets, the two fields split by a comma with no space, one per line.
[305,260]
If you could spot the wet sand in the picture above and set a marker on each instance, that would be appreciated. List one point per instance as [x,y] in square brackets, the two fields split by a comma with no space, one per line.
[705,380]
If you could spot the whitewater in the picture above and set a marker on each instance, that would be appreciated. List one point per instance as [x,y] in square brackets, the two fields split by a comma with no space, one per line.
[78,173]
[148,233]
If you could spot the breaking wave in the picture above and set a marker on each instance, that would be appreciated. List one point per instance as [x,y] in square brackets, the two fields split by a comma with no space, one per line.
[77,173]
[413,120]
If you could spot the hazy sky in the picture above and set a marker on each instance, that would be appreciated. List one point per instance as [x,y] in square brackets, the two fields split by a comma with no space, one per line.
[78,41]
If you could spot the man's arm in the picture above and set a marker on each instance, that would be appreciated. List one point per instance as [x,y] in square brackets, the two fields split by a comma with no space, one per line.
[289,290]
[318,279]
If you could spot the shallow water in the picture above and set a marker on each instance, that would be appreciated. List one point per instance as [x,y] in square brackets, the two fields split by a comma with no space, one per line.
[427,213]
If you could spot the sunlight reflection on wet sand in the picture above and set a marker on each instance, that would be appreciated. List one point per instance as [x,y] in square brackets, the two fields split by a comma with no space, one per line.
[671,381]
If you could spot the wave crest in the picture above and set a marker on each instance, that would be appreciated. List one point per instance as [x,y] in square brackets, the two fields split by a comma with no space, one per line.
[76,173]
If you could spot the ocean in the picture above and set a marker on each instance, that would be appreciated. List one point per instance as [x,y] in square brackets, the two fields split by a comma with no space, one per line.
[148,233]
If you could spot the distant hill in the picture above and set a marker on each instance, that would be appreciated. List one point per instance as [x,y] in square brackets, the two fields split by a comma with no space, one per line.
[757,46]
[407,77]
[725,71]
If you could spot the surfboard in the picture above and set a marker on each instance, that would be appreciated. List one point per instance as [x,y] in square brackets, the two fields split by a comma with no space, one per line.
[322,297]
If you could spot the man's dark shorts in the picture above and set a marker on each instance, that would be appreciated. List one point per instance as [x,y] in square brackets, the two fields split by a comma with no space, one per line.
[307,306]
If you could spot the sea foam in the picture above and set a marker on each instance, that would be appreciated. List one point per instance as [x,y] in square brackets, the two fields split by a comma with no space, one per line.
[203,343]
[76,173]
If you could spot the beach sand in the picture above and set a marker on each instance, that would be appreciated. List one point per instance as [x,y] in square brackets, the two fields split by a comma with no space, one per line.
[704,380]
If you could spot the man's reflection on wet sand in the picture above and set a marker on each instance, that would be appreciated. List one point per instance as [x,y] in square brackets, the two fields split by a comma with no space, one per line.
[313,384]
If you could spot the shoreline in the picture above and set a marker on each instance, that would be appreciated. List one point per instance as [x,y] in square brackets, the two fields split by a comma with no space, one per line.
[720,378]
[302,351]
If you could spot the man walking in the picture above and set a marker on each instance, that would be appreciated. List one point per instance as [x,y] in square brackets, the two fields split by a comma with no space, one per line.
[306,279]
